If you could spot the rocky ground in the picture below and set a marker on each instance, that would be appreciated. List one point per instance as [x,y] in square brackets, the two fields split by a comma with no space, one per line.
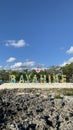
[36,109]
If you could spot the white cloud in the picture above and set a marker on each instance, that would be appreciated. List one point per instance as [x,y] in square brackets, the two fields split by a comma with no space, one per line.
[70,51]
[16,66]
[1,67]
[29,63]
[25,65]
[11,59]
[67,62]
[6,67]
[17,44]
[21,66]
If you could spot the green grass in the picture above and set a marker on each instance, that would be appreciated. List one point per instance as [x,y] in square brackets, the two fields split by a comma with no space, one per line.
[68,94]
[58,97]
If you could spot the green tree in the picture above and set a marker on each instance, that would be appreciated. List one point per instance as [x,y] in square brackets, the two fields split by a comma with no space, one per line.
[68,70]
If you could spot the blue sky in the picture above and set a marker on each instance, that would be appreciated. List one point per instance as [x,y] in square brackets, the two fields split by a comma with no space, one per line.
[36,33]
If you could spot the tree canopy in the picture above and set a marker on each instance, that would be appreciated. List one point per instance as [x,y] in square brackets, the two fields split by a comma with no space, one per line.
[66,70]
